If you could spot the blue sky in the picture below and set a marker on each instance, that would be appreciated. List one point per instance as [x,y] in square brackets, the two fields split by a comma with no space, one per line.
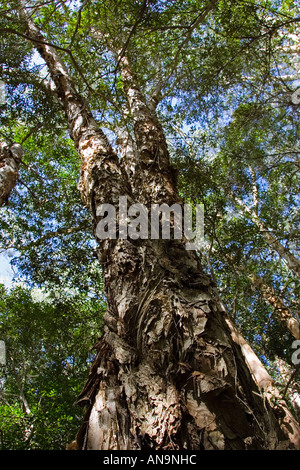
[6,272]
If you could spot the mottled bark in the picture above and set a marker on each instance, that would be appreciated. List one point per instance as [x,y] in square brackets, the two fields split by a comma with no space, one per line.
[169,373]
[91,143]
[10,160]
[153,179]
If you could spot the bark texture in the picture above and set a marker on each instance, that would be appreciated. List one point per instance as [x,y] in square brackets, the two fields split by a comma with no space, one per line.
[10,159]
[169,371]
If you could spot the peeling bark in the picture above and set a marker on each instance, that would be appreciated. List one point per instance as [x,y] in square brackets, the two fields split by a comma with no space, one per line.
[10,159]
[168,373]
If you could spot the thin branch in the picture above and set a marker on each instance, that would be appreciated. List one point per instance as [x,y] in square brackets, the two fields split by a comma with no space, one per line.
[291,261]
[30,168]
[200,18]
[29,134]
[166,28]
[133,29]
[78,21]
[25,36]
[255,190]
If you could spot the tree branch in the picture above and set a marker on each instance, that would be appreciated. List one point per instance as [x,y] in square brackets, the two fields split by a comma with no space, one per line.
[293,374]
[57,233]
[255,191]
[10,160]
[78,21]
[161,84]
[80,118]
[280,309]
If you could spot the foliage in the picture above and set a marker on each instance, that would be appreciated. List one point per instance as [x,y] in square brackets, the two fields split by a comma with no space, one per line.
[48,340]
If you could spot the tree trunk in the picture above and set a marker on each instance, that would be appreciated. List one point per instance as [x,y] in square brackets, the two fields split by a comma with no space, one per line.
[281,311]
[291,261]
[10,159]
[169,373]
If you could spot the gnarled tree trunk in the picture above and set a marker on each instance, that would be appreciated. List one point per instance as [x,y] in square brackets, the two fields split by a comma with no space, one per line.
[170,373]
